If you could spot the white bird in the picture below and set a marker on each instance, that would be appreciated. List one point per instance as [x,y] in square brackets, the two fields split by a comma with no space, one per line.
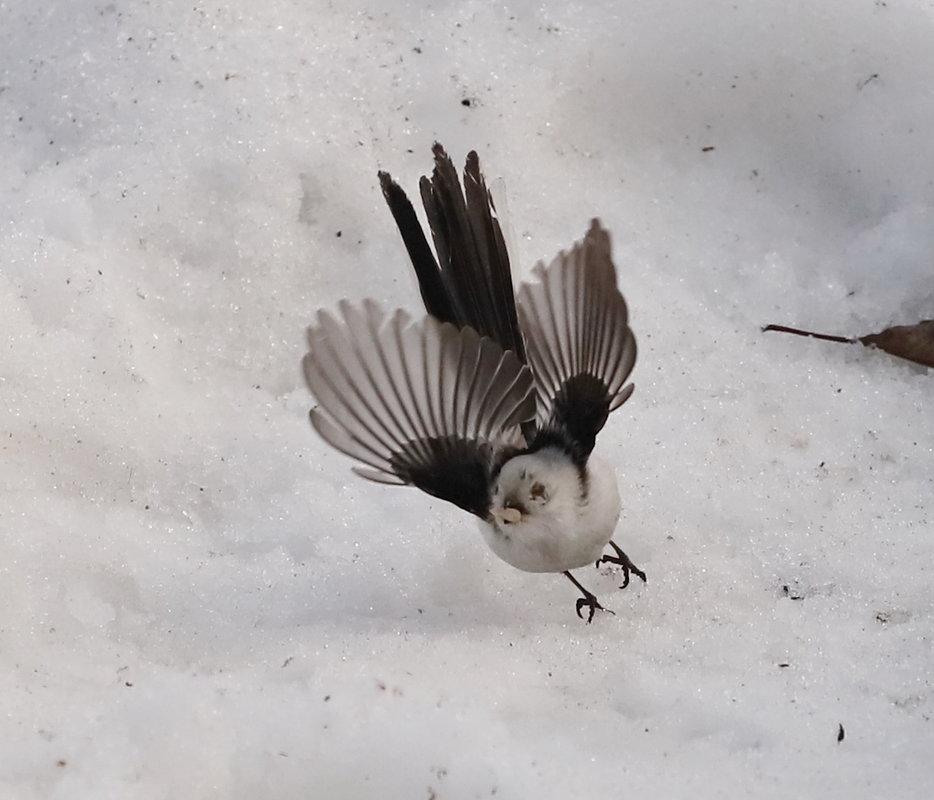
[492,401]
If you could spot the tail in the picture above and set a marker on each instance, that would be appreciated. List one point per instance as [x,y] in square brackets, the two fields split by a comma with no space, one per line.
[470,283]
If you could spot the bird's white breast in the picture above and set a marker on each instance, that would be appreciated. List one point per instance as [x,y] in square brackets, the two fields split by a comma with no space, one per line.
[570,534]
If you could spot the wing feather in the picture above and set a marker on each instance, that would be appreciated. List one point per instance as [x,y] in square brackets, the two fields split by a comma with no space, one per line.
[579,344]
[423,403]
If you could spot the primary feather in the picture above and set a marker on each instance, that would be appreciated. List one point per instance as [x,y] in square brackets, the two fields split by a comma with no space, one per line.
[421,403]
[579,343]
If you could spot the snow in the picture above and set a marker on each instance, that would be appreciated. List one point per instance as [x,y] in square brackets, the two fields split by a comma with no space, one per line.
[200,600]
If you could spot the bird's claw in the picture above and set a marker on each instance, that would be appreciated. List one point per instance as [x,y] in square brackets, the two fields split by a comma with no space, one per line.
[592,604]
[589,600]
[622,560]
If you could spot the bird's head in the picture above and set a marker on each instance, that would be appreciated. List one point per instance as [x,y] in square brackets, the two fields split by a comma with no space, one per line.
[531,486]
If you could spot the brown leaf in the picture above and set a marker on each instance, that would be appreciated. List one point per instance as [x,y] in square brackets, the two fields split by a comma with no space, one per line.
[911,342]
[914,342]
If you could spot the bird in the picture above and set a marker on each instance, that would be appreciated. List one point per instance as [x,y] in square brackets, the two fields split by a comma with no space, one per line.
[492,400]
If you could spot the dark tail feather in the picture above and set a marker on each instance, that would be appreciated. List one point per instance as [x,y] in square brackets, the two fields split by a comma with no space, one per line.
[473,284]
[494,257]
[434,294]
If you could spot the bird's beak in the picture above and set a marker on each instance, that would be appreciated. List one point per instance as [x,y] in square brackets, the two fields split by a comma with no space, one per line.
[506,514]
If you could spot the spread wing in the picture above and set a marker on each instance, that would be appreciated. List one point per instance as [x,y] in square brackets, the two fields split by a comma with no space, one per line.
[579,344]
[424,403]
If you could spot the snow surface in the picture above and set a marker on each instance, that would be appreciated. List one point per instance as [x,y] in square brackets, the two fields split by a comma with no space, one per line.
[199,600]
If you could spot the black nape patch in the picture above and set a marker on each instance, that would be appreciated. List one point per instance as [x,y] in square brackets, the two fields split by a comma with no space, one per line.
[559,439]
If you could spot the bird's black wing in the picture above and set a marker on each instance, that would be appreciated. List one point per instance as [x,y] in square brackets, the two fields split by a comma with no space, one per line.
[579,344]
[470,283]
[425,404]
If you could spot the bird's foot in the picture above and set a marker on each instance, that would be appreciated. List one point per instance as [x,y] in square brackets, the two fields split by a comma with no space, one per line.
[623,561]
[588,601]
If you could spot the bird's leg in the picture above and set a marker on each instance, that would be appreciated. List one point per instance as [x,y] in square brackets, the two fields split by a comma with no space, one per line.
[623,560]
[589,600]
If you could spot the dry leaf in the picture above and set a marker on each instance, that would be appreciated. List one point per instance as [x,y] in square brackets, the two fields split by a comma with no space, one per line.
[911,342]
[914,342]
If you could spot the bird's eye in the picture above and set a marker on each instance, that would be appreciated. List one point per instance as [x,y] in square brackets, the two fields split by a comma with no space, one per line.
[537,492]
